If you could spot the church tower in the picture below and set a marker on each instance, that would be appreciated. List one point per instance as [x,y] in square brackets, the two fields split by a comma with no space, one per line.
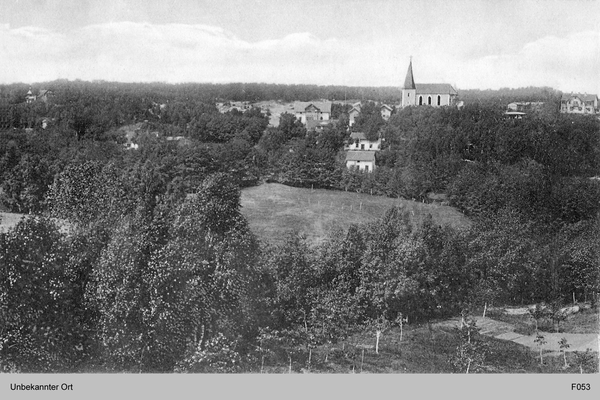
[409,90]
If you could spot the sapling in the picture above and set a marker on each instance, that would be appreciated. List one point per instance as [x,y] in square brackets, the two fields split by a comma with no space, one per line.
[539,339]
[584,358]
[564,346]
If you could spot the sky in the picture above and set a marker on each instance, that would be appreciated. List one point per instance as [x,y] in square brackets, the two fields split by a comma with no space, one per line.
[471,44]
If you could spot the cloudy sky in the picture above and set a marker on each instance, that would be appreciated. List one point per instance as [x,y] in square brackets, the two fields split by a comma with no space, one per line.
[468,43]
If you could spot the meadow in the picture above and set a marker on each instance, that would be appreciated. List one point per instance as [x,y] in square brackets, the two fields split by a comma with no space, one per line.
[274,210]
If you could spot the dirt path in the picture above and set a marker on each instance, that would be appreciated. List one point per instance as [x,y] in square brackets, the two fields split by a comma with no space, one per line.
[505,331]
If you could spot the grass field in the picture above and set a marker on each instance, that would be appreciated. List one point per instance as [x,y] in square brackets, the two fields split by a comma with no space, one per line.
[419,351]
[273,210]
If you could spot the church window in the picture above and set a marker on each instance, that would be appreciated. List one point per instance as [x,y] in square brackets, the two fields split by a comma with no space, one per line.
[429,100]
[420,100]
[439,100]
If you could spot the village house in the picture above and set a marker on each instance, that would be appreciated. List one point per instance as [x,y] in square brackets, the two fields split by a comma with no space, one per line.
[43,95]
[386,111]
[517,110]
[30,97]
[353,114]
[362,160]
[577,103]
[359,141]
[360,152]
[315,111]
[431,94]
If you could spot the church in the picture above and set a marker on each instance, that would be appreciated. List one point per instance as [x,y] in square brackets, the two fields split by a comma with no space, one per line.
[426,94]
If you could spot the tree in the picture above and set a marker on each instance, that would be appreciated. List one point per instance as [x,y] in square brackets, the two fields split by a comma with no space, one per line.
[198,280]
[584,359]
[563,347]
[537,313]
[540,341]
[40,325]
[470,355]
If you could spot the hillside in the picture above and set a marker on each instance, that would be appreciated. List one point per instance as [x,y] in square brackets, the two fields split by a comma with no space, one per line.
[273,210]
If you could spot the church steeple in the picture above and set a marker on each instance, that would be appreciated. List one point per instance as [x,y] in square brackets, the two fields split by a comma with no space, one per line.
[409,82]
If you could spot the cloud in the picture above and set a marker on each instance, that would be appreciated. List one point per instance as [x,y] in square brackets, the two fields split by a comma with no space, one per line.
[570,63]
[135,51]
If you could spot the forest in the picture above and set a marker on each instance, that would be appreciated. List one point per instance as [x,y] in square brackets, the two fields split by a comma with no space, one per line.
[140,260]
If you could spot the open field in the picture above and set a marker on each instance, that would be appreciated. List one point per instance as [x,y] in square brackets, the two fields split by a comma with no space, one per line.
[273,210]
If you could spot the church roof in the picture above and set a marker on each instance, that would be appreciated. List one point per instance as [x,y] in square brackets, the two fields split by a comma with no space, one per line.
[409,82]
[360,155]
[435,88]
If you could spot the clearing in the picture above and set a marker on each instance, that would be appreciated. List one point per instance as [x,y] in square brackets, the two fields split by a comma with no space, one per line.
[273,210]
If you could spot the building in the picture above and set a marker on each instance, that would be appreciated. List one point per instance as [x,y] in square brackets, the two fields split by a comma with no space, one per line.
[363,160]
[316,111]
[517,110]
[359,141]
[577,103]
[386,111]
[360,152]
[431,94]
[45,95]
[30,97]
[353,114]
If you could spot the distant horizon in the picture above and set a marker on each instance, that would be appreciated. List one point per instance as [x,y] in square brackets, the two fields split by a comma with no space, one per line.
[399,87]
[469,44]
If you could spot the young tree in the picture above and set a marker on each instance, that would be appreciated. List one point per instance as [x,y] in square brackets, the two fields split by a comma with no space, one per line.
[564,346]
[540,341]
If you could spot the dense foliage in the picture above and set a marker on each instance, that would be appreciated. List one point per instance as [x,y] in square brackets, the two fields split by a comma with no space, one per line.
[140,259]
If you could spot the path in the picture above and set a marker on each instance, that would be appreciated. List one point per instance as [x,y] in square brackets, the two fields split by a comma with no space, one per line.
[505,331]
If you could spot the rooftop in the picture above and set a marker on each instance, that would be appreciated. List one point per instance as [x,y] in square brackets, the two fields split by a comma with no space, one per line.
[435,88]
[584,97]
[360,155]
[323,106]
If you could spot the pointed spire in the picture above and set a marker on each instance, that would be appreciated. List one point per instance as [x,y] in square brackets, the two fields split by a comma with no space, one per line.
[409,82]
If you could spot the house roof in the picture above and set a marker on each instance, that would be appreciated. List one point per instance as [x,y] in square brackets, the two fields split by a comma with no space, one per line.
[354,109]
[386,106]
[584,97]
[358,135]
[409,81]
[360,155]
[311,124]
[435,88]
[323,106]
[44,92]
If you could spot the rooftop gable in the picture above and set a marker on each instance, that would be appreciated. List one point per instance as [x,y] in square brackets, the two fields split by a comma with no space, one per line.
[322,106]
[583,97]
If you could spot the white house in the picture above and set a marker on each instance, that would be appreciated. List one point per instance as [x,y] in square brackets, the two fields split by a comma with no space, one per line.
[577,103]
[359,141]
[363,160]
[430,94]
[353,114]
[30,97]
[386,111]
[314,110]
